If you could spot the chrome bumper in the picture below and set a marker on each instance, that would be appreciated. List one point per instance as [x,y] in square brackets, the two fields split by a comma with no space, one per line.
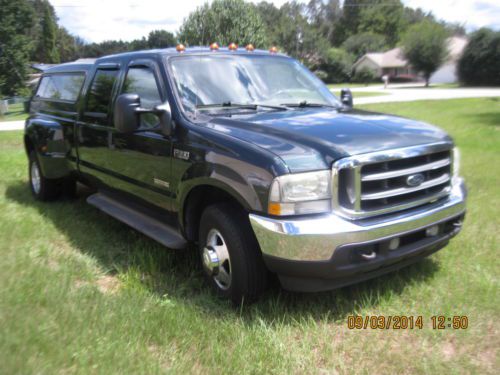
[317,238]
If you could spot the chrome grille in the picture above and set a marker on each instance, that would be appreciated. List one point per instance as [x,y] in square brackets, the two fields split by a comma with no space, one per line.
[388,181]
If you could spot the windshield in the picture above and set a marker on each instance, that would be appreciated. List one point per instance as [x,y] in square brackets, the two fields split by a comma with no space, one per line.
[224,80]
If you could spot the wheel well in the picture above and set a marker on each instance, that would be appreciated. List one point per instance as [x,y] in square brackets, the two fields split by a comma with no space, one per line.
[28,144]
[198,199]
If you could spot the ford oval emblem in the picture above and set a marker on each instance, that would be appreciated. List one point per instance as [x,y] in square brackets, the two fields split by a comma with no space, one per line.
[415,179]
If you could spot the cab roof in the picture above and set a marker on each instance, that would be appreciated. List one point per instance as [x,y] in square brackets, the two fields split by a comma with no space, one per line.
[83,65]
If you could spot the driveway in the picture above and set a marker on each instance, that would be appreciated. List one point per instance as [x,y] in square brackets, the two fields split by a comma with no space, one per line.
[411,92]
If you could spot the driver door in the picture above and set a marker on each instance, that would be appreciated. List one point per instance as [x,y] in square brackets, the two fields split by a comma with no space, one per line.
[142,159]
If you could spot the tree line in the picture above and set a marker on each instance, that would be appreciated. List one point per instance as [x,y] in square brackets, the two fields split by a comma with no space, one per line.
[328,36]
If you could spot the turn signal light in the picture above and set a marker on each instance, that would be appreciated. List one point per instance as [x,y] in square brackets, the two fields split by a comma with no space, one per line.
[250,47]
[214,46]
[273,49]
[274,209]
[233,47]
[180,48]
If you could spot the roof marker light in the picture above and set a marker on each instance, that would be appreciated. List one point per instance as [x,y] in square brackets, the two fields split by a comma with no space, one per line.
[180,48]
[233,47]
[214,46]
[273,49]
[250,47]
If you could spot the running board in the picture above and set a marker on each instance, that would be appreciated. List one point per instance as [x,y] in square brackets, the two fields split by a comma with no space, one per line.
[164,234]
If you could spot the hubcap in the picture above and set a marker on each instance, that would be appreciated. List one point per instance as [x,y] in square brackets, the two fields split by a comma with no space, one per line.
[35,177]
[216,261]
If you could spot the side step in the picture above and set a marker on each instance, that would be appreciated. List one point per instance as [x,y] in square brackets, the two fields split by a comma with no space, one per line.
[164,234]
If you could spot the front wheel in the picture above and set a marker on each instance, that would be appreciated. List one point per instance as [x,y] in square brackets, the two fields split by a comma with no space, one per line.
[230,254]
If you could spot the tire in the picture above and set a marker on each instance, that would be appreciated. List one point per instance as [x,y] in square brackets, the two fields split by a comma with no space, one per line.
[226,233]
[42,188]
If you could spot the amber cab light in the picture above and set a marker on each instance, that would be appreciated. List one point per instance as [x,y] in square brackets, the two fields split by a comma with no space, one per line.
[250,47]
[233,47]
[180,48]
[273,49]
[214,46]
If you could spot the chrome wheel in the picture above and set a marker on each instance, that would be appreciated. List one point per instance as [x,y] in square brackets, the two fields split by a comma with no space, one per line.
[216,261]
[35,177]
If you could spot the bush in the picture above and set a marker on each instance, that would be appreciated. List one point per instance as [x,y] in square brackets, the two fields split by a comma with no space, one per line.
[364,75]
[322,75]
[337,64]
[479,63]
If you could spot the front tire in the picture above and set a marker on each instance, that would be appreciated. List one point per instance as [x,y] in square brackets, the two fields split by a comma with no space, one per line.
[42,188]
[231,258]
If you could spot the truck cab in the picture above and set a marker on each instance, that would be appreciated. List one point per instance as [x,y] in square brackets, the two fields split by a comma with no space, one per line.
[248,156]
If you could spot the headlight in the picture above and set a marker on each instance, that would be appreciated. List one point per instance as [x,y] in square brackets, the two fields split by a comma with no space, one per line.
[301,193]
[456,162]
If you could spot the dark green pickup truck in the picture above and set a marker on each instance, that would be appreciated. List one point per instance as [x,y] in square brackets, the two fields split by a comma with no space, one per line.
[248,155]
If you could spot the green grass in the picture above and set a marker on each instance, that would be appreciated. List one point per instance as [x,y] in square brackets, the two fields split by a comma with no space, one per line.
[15,113]
[82,293]
[338,86]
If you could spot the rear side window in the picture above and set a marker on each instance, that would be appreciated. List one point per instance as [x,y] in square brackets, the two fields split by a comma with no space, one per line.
[60,86]
[99,96]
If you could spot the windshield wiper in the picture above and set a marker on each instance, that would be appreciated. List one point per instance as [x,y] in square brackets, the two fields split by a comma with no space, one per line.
[305,104]
[227,105]
[241,105]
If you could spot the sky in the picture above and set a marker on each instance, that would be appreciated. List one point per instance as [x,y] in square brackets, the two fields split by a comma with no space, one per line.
[98,20]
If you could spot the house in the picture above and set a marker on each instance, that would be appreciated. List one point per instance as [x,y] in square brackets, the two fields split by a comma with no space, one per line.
[393,64]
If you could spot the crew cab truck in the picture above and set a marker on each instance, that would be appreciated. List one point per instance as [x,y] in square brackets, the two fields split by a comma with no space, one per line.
[248,155]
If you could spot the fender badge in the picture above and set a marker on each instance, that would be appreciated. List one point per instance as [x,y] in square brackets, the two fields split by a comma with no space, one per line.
[165,184]
[179,154]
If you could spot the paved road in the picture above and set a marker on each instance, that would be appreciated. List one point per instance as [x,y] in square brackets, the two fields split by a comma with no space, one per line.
[12,125]
[394,93]
[408,93]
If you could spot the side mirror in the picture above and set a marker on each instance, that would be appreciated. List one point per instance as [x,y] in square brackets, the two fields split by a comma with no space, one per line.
[346,97]
[165,115]
[126,118]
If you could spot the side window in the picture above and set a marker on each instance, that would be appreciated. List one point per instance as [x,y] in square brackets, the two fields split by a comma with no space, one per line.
[99,96]
[141,80]
[60,86]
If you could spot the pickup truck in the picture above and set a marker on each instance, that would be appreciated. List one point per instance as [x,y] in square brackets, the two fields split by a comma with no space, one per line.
[245,154]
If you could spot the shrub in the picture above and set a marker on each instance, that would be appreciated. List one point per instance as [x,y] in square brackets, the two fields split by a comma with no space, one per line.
[337,64]
[479,63]
[364,75]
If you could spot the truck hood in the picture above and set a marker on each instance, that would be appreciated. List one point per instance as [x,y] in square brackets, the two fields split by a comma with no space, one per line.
[313,138]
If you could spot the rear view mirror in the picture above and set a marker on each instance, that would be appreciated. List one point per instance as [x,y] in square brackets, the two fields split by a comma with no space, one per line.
[126,116]
[346,97]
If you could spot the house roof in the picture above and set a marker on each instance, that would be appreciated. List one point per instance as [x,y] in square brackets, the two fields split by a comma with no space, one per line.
[390,59]
[394,58]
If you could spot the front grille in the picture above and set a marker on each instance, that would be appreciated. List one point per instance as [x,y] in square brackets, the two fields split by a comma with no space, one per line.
[382,182]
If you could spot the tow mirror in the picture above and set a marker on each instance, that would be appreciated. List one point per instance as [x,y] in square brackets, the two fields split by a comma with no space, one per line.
[165,115]
[128,111]
[346,97]
[126,114]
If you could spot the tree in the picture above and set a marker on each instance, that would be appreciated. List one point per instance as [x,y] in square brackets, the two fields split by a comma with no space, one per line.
[46,50]
[337,64]
[384,17]
[479,63]
[161,39]
[224,21]
[15,45]
[424,46]
[349,21]
[360,44]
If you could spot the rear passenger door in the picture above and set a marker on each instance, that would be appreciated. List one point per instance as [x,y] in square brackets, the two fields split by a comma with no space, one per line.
[94,128]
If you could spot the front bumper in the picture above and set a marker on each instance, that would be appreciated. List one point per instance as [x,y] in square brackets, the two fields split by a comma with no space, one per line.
[326,251]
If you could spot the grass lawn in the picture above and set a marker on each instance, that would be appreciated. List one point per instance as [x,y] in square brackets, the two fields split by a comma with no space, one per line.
[82,293]
[15,113]
[338,86]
